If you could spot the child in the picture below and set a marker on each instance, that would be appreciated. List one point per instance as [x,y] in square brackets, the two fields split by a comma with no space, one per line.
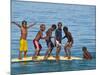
[23,38]
[58,38]
[36,43]
[86,54]
[69,43]
[48,41]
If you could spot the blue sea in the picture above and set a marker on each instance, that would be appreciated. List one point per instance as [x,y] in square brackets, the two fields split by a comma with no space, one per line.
[81,21]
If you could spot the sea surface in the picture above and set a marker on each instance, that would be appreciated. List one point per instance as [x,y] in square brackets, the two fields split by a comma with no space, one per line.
[81,21]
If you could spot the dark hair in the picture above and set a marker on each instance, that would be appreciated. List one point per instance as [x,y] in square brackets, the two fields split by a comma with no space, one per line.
[84,48]
[42,25]
[24,22]
[54,26]
[59,23]
[65,29]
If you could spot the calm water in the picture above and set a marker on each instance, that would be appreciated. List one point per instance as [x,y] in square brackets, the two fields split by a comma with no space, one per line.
[80,21]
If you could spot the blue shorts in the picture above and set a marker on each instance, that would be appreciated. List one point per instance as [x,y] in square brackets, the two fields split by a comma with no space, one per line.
[50,44]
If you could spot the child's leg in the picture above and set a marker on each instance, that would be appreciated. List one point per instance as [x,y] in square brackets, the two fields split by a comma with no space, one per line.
[57,52]
[35,54]
[21,49]
[65,51]
[65,48]
[48,51]
[20,53]
[40,47]
[25,54]
[25,48]
[69,49]
[58,48]
[47,54]
[37,48]
[38,53]
[69,53]
[51,48]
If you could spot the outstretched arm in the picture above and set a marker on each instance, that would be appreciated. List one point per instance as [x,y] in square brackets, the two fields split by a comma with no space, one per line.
[32,25]
[16,24]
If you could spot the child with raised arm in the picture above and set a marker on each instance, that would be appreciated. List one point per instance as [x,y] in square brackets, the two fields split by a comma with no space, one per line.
[50,44]
[58,38]
[86,54]
[23,38]
[69,43]
[36,43]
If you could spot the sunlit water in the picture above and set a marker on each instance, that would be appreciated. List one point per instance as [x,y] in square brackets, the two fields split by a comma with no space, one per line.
[79,19]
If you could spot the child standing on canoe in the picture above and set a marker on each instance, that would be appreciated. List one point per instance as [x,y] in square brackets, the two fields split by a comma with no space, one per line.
[58,38]
[69,43]
[23,38]
[36,43]
[48,41]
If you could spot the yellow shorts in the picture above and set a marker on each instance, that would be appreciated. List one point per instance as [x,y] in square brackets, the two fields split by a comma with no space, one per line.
[23,45]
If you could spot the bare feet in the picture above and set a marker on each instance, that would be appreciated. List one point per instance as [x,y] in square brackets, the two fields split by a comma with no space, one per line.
[45,57]
[25,56]
[57,58]
[34,57]
[19,58]
[69,57]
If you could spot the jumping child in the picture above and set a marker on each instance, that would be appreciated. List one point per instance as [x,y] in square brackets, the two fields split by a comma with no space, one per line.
[69,43]
[23,38]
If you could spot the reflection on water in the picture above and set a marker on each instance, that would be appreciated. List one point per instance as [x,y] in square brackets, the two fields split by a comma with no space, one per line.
[52,66]
[80,21]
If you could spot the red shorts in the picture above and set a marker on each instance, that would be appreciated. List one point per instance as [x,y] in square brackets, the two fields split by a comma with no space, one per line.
[37,45]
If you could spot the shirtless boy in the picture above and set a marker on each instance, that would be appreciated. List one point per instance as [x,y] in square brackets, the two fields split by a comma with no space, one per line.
[50,44]
[69,43]
[36,43]
[23,38]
